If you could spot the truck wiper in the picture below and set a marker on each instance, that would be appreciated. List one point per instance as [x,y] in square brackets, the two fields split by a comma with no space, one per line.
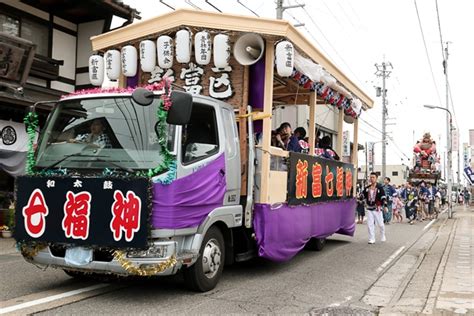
[114,164]
[67,157]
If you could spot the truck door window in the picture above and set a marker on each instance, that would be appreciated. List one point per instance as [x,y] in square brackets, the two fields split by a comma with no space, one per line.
[199,137]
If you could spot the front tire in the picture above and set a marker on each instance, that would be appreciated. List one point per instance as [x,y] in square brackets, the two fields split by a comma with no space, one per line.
[204,275]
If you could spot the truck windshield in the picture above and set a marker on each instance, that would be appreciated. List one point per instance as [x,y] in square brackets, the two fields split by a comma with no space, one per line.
[98,133]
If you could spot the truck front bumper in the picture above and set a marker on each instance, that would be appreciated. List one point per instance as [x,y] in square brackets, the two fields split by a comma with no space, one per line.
[104,262]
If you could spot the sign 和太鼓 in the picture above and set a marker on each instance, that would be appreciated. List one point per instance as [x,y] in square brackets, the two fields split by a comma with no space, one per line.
[104,212]
[314,179]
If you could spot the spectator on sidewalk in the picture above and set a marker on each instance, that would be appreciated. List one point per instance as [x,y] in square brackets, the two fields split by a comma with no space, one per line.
[467,196]
[375,199]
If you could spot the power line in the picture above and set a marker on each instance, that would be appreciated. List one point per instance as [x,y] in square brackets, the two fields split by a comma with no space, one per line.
[426,51]
[239,2]
[212,5]
[327,40]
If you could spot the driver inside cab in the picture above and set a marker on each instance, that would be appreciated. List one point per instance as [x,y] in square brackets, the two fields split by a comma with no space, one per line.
[96,137]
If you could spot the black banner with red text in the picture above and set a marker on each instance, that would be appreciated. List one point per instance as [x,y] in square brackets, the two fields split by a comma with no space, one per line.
[313,179]
[104,212]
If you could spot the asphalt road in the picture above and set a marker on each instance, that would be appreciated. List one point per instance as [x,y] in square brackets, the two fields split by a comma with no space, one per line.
[336,277]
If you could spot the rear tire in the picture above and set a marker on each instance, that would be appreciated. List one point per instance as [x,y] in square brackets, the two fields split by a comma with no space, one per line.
[204,275]
[316,244]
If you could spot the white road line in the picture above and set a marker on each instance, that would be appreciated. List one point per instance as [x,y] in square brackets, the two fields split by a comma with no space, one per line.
[390,259]
[429,224]
[51,298]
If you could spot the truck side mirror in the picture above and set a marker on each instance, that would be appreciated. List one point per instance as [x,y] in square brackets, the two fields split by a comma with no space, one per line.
[181,107]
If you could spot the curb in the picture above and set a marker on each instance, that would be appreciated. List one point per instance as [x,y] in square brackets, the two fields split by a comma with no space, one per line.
[436,285]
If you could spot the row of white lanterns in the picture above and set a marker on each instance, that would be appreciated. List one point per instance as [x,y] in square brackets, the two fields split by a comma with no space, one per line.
[162,55]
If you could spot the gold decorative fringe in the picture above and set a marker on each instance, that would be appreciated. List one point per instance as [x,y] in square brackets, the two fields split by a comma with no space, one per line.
[148,271]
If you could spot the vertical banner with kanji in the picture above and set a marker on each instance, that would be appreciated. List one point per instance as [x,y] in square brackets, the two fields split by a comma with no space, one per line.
[83,211]
[313,179]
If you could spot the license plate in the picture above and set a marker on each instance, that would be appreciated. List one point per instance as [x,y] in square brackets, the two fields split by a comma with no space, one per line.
[78,256]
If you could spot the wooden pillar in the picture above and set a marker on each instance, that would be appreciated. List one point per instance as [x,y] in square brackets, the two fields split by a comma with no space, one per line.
[267,123]
[355,154]
[340,122]
[243,133]
[312,121]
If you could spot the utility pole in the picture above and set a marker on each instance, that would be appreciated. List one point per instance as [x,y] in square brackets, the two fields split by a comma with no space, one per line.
[383,72]
[281,8]
[448,132]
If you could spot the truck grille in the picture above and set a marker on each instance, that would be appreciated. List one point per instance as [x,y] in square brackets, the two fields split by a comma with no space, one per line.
[98,254]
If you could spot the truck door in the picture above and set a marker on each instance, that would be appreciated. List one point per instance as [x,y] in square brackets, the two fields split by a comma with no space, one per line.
[232,153]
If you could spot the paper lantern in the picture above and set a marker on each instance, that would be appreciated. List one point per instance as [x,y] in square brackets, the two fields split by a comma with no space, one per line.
[112,64]
[164,46]
[285,58]
[202,47]
[183,46]
[221,50]
[147,55]
[96,70]
[349,119]
[129,61]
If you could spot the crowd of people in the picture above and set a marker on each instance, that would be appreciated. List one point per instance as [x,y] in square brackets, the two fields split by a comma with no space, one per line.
[412,202]
[296,141]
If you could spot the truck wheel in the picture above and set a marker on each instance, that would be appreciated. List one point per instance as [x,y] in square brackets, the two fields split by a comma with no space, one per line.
[76,274]
[316,244]
[204,275]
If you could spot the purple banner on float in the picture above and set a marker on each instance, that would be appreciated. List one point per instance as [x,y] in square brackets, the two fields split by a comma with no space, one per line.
[187,201]
[283,231]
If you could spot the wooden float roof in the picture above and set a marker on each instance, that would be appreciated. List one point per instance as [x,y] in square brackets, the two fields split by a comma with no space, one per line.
[268,28]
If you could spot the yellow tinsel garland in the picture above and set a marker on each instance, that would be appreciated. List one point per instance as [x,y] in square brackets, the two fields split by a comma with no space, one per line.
[131,268]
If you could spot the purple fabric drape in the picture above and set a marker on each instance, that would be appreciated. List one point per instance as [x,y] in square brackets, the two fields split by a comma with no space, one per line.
[187,201]
[132,81]
[282,232]
[257,89]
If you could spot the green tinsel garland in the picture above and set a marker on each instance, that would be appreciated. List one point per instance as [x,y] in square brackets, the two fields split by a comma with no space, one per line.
[168,159]
[31,122]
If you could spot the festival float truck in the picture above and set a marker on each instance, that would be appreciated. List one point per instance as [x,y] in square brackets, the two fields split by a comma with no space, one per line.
[426,167]
[181,178]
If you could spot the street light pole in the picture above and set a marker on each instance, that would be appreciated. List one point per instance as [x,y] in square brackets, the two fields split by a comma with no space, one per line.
[450,150]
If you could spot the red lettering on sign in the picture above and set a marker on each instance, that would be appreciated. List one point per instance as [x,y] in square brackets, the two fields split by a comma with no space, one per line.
[348,181]
[317,184]
[339,181]
[76,215]
[329,179]
[34,213]
[126,215]
[301,179]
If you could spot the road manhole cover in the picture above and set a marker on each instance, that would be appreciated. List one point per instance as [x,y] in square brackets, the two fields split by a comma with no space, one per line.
[341,310]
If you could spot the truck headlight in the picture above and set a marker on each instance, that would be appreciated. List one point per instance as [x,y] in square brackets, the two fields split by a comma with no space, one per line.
[155,251]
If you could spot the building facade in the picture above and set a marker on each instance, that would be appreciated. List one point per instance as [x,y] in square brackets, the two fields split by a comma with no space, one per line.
[398,174]
[44,51]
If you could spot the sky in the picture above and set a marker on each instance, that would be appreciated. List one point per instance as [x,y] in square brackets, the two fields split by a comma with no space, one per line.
[357,34]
